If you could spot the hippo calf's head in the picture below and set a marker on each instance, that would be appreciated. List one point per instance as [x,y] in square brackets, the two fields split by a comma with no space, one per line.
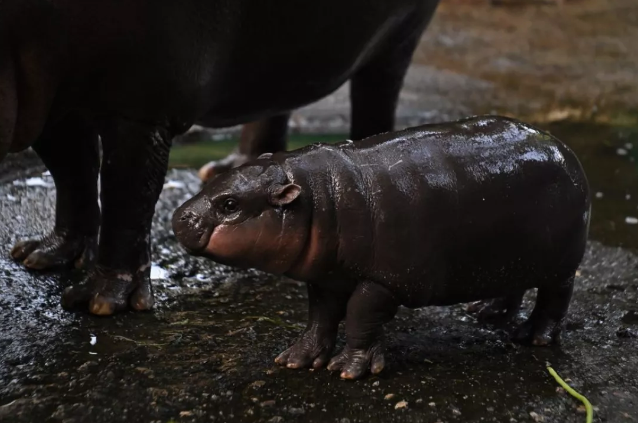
[249,217]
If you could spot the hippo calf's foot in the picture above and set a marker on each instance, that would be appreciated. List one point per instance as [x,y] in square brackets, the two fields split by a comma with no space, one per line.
[313,348]
[57,249]
[107,292]
[503,308]
[354,363]
[369,308]
[316,343]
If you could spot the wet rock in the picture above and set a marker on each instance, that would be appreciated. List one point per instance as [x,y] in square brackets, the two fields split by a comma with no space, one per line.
[627,333]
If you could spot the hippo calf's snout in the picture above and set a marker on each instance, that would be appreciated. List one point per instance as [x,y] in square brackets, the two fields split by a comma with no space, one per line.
[191,225]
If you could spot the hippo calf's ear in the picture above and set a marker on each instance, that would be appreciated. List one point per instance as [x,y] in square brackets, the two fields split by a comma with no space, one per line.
[284,194]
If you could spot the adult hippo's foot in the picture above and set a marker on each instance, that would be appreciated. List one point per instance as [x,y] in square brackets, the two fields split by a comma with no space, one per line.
[217,167]
[69,150]
[56,250]
[262,136]
[369,308]
[134,166]
[107,292]
[315,345]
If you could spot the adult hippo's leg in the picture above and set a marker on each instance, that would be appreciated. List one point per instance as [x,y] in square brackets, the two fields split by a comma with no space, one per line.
[375,88]
[314,346]
[133,170]
[263,136]
[369,308]
[77,214]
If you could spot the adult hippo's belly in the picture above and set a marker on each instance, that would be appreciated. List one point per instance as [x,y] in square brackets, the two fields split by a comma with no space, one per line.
[136,74]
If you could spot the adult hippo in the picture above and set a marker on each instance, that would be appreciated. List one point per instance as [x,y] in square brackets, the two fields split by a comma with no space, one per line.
[135,74]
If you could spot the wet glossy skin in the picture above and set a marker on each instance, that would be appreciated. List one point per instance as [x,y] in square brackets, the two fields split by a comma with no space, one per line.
[135,74]
[482,208]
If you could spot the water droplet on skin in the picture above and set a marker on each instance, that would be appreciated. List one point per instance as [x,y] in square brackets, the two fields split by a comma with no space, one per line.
[599,195]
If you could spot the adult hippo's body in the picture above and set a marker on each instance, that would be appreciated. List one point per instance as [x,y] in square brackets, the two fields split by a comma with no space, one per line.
[486,207]
[135,74]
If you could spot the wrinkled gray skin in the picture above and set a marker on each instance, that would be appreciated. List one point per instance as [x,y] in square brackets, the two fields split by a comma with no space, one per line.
[134,74]
[485,207]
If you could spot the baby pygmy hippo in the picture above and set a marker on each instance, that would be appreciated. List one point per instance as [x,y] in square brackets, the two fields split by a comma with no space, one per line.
[482,208]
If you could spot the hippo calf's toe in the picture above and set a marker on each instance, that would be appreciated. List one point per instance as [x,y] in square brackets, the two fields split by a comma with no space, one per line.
[482,208]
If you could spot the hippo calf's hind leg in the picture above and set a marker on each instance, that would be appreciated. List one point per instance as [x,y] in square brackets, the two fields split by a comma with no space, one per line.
[134,166]
[504,308]
[369,308]
[316,343]
[77,214]
[546,321]
[263,136]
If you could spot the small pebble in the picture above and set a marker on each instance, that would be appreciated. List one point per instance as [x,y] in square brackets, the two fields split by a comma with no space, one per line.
[536,416]
[432,404]
[185,413]
[276,419]
[376,383]
[401,404]
[268,403]
[630,220]
[621,152]
[456,412]
[599,195]
[388,397]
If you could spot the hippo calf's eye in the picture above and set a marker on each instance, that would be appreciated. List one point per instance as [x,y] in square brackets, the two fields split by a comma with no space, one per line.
[231,205]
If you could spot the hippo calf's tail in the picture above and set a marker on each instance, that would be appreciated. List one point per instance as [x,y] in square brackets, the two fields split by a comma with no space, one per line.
[8,102]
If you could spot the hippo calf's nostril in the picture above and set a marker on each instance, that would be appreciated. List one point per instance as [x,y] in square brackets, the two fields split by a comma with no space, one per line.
[191,230]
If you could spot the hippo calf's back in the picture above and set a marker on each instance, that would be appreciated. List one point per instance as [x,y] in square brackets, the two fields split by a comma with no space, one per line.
[453,212]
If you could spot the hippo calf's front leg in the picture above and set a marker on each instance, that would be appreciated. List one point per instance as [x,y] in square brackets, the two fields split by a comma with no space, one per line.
[316,343]
[369,308]
[135,161]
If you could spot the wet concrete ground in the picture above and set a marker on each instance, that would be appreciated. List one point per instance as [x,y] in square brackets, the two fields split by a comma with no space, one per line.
[206,352]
